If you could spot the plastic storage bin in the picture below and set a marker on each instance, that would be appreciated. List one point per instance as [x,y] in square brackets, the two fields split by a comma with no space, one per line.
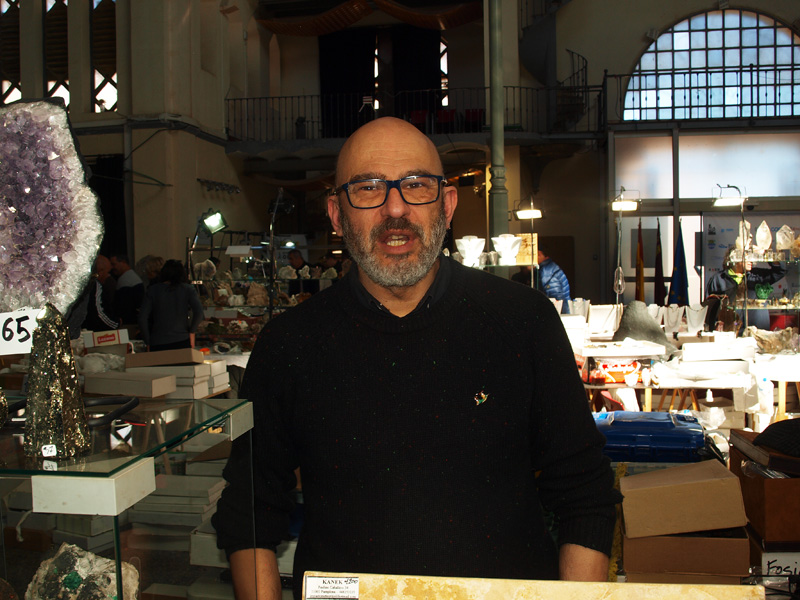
[651,436]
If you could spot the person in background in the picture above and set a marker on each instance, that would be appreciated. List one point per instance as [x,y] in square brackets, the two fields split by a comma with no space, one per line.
[523,276]
[331,261]
[730,283]
[129,292]
[100,311]
[553,281]
[148,269]
[296,286]
[452,418]
[171,310]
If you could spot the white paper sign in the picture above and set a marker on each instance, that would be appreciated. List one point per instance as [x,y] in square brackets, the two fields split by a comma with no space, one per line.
[327,588]
[16,331]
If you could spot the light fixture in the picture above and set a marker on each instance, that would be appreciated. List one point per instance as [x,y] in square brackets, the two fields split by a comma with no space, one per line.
[722,200]
[213,221]
[622,204]
[526,213]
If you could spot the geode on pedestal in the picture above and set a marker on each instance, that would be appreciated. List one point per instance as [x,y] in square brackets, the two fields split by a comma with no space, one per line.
[50,226]
[50,231]
[75,574]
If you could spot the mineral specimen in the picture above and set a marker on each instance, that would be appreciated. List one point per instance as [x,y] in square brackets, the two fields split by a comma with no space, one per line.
[50,228]
[75,574]
[55,424]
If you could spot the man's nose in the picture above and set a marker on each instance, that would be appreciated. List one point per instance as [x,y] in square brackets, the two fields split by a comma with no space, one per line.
[395,206]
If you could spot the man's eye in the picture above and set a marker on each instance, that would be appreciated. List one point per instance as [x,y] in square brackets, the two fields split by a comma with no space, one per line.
[365,186]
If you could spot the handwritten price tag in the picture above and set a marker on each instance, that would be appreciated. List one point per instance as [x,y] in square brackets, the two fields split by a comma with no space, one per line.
[16,331]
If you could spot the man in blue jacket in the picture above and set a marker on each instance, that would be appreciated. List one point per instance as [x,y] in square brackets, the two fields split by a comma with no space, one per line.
[553,283]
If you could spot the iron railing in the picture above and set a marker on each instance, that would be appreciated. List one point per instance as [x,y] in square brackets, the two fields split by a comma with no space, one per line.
[573,107]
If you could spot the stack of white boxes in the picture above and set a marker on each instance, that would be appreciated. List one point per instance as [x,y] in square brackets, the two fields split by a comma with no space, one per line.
[219,378]
[193,381]
[165,519]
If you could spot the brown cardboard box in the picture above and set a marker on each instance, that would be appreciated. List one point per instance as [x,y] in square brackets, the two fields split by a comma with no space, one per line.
[184,356]
[773,505]
[720,552]
[773,560]
[117,383]
[692,497]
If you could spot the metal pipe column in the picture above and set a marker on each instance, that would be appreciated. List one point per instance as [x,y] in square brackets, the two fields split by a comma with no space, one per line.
[498,194]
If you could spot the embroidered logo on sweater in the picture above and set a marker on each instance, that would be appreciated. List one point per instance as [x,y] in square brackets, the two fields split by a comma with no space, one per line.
[480,398]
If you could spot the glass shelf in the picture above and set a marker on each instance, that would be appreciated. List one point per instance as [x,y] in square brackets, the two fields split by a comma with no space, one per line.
[149,430]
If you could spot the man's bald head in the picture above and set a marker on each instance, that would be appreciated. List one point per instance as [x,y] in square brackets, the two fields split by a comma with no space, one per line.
[384,135]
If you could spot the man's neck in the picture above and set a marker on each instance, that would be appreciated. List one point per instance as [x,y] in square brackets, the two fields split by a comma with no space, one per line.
[399,301]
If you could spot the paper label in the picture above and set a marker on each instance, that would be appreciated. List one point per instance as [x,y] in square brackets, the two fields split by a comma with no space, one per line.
[49,450]
[16,331]
[326,588]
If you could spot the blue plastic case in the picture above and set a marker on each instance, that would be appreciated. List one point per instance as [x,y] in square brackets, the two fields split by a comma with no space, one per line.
[651,436]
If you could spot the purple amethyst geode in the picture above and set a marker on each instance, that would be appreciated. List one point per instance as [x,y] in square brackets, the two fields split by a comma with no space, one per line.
[50,227]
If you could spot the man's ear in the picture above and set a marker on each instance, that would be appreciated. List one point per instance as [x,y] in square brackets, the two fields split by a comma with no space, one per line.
[450,199]
[334,213]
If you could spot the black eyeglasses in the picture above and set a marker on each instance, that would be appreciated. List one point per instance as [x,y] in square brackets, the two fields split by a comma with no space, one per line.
[372,193]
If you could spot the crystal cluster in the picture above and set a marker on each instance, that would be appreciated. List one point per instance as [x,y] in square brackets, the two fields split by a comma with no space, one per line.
[50,228]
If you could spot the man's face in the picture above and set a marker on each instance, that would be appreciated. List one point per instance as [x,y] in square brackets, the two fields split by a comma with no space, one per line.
[396,244]
[116,266]
[540,257]
[296,260]
[102,268]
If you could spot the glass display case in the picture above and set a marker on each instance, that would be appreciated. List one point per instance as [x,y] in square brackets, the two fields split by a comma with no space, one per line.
[135,497]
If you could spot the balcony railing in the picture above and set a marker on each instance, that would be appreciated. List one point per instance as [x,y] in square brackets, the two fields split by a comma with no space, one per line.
[565,109]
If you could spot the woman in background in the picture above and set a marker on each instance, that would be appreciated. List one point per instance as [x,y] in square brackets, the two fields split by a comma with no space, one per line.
[171,310]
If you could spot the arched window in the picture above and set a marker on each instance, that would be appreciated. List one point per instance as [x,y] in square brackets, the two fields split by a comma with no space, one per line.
[720,64]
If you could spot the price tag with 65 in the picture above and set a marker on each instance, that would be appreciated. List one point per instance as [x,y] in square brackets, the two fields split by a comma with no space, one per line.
[16,331]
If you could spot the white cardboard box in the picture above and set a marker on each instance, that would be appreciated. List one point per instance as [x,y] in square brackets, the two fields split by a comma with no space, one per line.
[105,338]
[129,384]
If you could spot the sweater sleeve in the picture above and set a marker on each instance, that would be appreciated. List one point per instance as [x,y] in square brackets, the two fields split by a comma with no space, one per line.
[255,506]
[575,481]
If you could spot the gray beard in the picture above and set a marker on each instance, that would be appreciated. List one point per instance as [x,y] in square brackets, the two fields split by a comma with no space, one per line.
[402,272]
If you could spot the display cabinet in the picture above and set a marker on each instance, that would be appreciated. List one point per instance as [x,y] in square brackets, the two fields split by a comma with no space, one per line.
[90,501]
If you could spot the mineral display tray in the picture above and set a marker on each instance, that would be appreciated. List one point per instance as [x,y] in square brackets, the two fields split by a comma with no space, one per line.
[352,586]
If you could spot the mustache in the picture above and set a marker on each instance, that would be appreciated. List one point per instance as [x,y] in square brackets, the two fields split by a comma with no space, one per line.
[395,223]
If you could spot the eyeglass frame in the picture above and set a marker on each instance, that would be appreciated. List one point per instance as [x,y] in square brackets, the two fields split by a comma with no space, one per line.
[390,184]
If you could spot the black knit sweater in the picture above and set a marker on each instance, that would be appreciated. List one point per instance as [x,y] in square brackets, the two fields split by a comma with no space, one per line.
[427,444]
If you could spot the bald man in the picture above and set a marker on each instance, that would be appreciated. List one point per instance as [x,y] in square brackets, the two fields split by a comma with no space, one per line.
[452,415]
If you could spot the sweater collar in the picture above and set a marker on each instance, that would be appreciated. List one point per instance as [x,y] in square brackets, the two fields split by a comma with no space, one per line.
[435,293]
[437,312]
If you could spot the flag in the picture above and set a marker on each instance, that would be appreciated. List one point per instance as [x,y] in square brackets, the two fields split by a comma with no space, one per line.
[660,294]
[640,266]
[679,288]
